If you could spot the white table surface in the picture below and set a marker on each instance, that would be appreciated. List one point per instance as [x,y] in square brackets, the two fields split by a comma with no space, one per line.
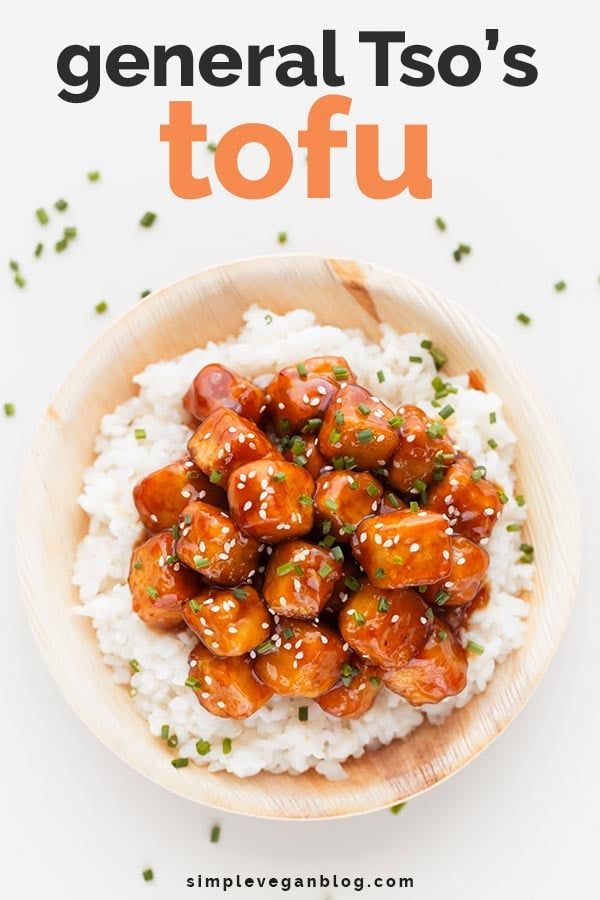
[516,174]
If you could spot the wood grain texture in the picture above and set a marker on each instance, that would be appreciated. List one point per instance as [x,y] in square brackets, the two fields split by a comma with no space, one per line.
[209,305]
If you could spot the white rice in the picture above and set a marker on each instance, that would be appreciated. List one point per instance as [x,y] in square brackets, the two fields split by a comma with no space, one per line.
[273,738]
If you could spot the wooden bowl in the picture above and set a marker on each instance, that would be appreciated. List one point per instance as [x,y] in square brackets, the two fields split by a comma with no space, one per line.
[209,305]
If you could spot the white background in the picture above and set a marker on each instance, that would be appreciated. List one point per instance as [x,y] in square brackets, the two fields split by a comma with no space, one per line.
[516,174]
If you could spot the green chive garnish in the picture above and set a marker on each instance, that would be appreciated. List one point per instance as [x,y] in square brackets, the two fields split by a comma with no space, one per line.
[440,224]
[524,319]
[239,593]
[415,359]
[492,418]
[339,417]
[180,763]
[9,409]
[152,592]
[194,605]
[226,745]
[383,605]
[211,147]
[340,373]
[202,747]
[396,421]
[337,553]
[441,598]
[305,500]
[478,473]
[473,647]
[396,808]
[164,732]
[288,633]
[101,306]
[265,647]
[215,834]
[325,570]
[39,249]
[42,216]
[301,370]
[61,205]
[140,434]
[285,568]
[193,683]
[442,635]
[282,237]
[145,293]
[461,250]
[60,245]
[446,412]
[303,713]
[381,376]
[375,680]
[201,562]
[334,436]
[493,444]
[93,176]
[513,527]
[172,741]
[331,504]
[419,486]
[215,477]
[365,435]
[148,219]
[351,583]
[147,874]
[393,501]
[520,500]
[134,665]
[358,617]
[560,286]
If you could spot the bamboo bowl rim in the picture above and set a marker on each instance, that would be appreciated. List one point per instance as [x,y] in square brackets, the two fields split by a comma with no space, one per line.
[210,304]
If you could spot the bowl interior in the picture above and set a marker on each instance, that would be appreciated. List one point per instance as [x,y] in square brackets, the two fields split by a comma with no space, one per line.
[209,306]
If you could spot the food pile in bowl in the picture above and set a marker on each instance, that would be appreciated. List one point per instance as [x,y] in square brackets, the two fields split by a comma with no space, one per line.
[302,544]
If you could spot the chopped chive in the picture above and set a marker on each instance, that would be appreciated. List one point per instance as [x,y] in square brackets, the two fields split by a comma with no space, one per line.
[265,647]
[414,506]
[303,713]
[372,489]
[429,614]
[194,605]
[365,435]
[442,635]
[70,233]
[440,224]
[288,633]
[173,740]
[383,605]
[415,359]
[364,409]
[397,560]
[348,672]
[215,477]
[194,683]
[439,357]
[101,306]
[202,747]
[148,875]
[39,249]
[396,808]
[493,444]
[446,412]
[334,436]
[358,617]
[61,205]
[144,293]
[393,501]
[42,216]
[164,732]
[305,500]
[19,280]
[140,434]
[285,568]
[326,526]
[134,665]
[493,418]
[268,318]
[138,564]
[239,593]
[327,542]
[60,245]
[381,376]
[419,486]
[9,409]
[476,648]
[527,552]
[93,176]
[215,834]
[148,219]
[524,319]
[426,344]
[278,477]
[375,680]
[513,527]
[298,446]
[201,562]
[152,592]
[560,286]
[302,372]
[339,417]
[441,598]
[354,485]
[331,504]
[502,497]
[478,473]
[340,373]
[379,573]
[520,500]
[325,570]
[461,250]
[211,147]
[282,237]
[351,583]
[396,421]
[226,745]
[14,265]
[348,528]
[313,424]
[337,553]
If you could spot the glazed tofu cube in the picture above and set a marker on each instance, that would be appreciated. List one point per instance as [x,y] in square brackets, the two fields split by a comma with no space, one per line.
[469,564]
[304,451]
[227,688]
[344,499]
[211,543]
[357,693]
[161,496]
[299,395]
[438,671]
[225,441]
[386,628]
[357,425]
[302,659]
[423,449]
[272,500]
[215,387]
[300,578]
[404,548]
[160,585]
[471,503]
[228,622]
